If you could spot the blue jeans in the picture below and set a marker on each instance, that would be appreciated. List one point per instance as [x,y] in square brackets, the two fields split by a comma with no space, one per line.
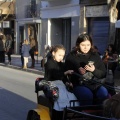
[86,96]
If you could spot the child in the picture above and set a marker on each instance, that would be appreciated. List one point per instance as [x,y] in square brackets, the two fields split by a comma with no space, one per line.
[54,71]
[25,52]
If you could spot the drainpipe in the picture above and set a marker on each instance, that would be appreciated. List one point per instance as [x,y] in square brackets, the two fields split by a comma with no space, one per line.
[17,39]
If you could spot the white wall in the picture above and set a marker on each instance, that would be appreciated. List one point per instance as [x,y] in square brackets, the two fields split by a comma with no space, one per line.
[20,8]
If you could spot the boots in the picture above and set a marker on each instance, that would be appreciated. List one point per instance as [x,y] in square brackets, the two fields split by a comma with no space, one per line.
[33,64]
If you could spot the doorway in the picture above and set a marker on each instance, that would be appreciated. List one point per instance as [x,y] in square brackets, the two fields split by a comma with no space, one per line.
[66,34]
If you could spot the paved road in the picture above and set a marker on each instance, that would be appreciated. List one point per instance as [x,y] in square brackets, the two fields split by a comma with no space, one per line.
[17,94]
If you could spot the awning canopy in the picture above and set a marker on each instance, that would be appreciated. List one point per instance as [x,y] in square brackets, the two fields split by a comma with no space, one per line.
[28,20]
[117,24]
[61,11]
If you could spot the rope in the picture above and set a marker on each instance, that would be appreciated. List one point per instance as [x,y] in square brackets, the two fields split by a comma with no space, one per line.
[95,81]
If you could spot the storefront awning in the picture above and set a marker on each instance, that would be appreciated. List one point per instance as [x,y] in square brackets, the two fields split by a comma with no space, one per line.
[28,20]
[61,11]
[117,24]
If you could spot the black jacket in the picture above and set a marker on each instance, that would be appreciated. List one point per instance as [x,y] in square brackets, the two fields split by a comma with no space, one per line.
[54,70]
[75,60]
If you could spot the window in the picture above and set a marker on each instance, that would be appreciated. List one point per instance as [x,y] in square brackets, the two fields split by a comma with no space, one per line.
[6,24]
[33,7]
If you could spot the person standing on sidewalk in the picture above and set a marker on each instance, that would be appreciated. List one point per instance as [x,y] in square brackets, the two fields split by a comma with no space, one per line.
[32,51]
[25,52]
[2,50]
[8,47]
[22,58]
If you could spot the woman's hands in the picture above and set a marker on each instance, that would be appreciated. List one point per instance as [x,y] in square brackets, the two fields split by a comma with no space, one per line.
[89,68]
[82,70]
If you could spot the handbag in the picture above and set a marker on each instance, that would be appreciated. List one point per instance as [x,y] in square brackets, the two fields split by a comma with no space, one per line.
[32,50]
[36,52]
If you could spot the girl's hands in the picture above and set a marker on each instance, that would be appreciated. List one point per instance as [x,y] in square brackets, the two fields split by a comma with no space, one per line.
[69,84]
[68,72]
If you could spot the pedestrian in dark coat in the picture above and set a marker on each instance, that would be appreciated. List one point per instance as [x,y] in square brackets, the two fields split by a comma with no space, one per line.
[22,58]
[8,47]
[32,51]
[2,51]
[78,60]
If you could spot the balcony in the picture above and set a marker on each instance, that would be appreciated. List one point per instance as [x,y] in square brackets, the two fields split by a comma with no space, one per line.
[31,11]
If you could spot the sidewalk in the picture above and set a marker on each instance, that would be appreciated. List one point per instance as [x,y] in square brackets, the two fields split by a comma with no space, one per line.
[16,64]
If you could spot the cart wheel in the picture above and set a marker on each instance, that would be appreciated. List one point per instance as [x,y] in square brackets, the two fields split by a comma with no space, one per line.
[32,115]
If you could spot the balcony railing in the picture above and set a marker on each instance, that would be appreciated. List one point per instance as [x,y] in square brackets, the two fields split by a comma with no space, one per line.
[31,11]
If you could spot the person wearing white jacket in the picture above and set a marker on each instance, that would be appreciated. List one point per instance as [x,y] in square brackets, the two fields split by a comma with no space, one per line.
[25,52]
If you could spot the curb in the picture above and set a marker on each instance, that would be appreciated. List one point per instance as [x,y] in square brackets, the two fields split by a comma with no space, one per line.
[19,68]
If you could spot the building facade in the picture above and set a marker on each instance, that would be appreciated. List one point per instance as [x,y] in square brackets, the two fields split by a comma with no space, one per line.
[7,17]
[60,22]
[95,20]
[27,21]
[53,22]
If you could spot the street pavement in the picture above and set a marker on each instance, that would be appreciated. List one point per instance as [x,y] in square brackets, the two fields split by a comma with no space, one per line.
[16,64]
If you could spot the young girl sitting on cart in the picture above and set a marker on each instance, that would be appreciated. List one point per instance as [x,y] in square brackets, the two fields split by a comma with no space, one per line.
[54,71]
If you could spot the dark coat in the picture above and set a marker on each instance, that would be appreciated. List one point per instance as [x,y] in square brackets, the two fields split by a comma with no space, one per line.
[76,60]
[54,70]
[8,47]
[1,45]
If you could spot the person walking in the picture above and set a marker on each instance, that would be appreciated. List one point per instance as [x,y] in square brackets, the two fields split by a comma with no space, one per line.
[25,52]
[32,51]
[110,58]
[8,48]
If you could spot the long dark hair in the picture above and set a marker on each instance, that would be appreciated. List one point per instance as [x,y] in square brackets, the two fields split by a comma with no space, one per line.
[81,38]
[113,48]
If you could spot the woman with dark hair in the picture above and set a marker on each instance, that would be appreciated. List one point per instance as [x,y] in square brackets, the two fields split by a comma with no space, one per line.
[88,64]
[110,58]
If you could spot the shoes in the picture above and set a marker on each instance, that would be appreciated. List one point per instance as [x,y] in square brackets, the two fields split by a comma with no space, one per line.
[31,66]
[9,63]
[24,67]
